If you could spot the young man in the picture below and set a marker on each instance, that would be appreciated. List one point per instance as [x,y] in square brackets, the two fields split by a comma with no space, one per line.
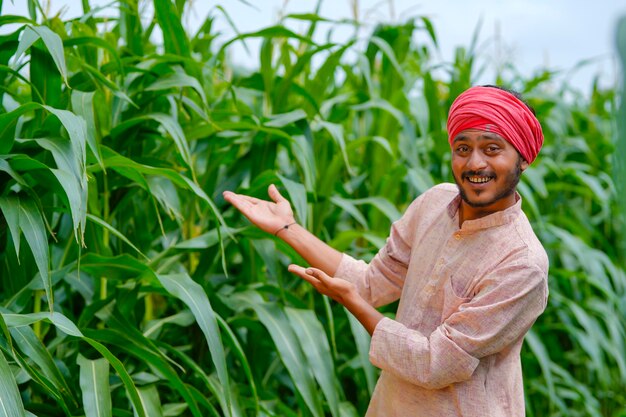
[470,273]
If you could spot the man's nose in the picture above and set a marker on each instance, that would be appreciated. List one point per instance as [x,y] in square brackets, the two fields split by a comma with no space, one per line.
[476,161]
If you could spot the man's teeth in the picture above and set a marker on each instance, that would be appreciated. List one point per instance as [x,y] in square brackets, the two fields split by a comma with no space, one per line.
[478,179]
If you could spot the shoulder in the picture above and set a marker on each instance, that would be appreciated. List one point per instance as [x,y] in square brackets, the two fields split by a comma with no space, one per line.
[435,199]
[535,253]
[439,195]
[428,207]
[444,189]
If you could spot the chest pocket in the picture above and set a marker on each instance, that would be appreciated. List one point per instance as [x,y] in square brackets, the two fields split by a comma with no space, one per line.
[456,291]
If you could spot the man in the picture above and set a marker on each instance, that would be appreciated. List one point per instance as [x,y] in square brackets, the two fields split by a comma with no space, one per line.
[470,273]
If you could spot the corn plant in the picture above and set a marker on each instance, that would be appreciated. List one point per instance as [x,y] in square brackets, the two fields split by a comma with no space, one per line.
[129,287]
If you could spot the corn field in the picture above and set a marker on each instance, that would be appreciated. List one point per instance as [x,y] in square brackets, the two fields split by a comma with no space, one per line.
[129,287]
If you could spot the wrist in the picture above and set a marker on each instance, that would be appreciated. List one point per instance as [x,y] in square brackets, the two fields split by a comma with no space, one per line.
[364,312]
[285,227]
[290,233]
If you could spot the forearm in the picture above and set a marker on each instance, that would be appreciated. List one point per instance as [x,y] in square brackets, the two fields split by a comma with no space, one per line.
[367,315]
[317,253]
[343,292]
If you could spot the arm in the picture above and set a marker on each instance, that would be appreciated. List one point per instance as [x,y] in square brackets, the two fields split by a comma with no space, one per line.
[343,292]
[378,283]
[499,315]
[505,307]
[272,216]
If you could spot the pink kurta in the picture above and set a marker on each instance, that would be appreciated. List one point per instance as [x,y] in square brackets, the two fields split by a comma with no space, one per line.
[467,297]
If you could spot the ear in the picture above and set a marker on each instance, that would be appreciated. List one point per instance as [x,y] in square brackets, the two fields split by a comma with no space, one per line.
[524,165]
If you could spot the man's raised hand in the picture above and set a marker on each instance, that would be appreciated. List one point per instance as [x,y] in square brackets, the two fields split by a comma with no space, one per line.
[270,216]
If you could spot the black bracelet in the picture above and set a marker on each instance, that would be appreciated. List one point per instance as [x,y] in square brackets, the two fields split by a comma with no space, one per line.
[284,228]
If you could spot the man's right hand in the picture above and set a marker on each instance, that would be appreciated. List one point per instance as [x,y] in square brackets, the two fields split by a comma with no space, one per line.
[273,216]
[270,216]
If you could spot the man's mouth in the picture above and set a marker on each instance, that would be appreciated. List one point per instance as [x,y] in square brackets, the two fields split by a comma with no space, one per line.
[478,178]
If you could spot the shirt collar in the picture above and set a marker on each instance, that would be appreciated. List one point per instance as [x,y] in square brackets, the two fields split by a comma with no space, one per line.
[492,220]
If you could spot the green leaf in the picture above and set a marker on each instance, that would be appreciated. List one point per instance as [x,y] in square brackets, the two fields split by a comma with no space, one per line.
[82,104]
[131,389]
[277,324]
[6,167]
[30,345]
[9,19]
[184,288]
[282,120]
[388,51]
[169,18]
[10,207]
[8,121]
[336,132]
[71,176]
[114,160]
[115,232]
[184,318]
[165,192]
[297,194]
[94,384]
[170,125]
[178,79]
[32,225]
[60,321]
[150,399]
[268,33]
[349,206]
[11,404]
[92,40]
[142,349]
[53,43]
[382,204]
[379,103]
[29,37]
[76,128]
[362,340]
[240,354]
[114,267]
[311,334]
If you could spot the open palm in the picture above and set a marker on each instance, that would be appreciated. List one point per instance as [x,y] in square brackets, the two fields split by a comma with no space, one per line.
[269,216]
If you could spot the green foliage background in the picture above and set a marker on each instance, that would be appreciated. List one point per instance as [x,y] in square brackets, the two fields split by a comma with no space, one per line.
[128,286]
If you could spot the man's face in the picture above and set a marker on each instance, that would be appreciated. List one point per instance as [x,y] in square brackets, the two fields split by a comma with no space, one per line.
[486,169]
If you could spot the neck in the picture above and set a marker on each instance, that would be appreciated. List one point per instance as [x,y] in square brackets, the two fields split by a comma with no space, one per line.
[468,212]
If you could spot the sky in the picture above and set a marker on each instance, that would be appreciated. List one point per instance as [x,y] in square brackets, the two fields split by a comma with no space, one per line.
[531,34]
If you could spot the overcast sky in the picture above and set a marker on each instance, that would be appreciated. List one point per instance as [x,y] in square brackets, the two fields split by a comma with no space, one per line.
[533,34]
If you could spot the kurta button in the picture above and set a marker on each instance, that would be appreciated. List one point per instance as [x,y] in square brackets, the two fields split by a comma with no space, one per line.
[457,236]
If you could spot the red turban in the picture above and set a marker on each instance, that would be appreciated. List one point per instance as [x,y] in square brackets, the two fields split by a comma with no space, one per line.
[495,110]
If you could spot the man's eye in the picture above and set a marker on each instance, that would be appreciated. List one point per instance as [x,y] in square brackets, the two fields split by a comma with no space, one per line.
[492,148]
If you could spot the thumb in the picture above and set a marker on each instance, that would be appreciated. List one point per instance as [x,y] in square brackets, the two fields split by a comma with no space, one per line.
[275,194]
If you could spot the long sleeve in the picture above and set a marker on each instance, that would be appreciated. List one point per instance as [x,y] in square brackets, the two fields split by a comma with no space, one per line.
[380,282]
[505,306]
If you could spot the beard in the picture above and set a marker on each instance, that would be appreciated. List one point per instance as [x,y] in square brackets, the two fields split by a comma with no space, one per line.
[508,188]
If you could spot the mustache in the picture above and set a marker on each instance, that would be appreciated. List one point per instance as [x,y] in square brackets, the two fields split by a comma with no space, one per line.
[482,173]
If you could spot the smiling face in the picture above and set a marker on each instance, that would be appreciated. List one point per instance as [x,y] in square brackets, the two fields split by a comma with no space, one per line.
[486,169]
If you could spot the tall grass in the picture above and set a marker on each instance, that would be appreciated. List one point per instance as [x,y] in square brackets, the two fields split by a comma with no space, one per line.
[129,287]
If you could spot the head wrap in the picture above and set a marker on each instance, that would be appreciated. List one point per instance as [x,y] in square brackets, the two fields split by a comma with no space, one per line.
[495,110]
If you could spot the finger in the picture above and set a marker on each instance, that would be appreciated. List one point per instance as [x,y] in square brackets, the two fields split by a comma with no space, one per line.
[301,272]
[250,199]
[240,204]
[275,194]
[230,197]
[318,273]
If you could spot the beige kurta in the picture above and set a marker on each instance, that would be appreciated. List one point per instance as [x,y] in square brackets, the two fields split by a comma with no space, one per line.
[467,297]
